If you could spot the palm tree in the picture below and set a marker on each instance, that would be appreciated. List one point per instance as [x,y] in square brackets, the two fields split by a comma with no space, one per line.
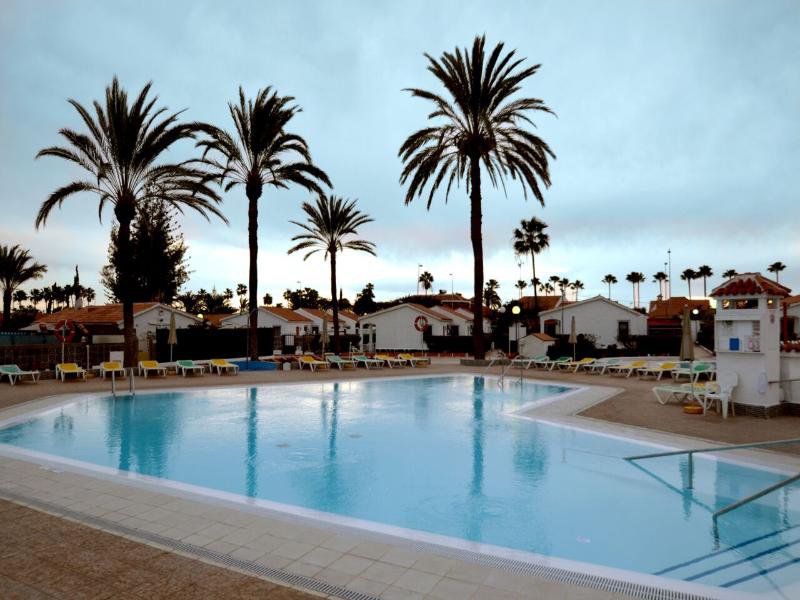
[554,280]
[261,153]
[120,154]
[635,278]
[36,297]
[776,268]
[89,295]
[482,126]
[548,288]
[426,279]
[490,296]
[19,297]
[331,221]
[609,280]
[661,279]
[16,267]
[730,274]
[577,286]
[688,275]
[705,272]
[530,238]
[521,285]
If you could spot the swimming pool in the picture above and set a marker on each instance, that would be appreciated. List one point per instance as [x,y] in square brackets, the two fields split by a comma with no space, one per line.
[443,455]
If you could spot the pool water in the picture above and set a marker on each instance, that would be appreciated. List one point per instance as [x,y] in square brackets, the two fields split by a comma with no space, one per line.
[443,455]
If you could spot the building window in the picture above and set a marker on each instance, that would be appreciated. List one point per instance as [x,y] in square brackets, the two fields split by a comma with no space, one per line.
[551,327]
[623,330]
[746,303]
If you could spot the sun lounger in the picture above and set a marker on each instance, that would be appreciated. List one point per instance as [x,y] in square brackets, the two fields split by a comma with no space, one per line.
[601,366]
[551,364]
[574,365]
[188,366]
[64,369]
[415,361]
[312,363]
[111,367]
[679,391]
[222,365]
[342,363]
[151,366]
[526,361]
[366,361]
[14,373]
[627,368]
[694,372]
[657,370]
[392,361]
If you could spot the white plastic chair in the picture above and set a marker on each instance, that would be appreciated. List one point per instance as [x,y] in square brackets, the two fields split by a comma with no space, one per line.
[726,382]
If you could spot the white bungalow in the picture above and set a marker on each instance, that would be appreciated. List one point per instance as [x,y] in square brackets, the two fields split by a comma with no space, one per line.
[288,321]
[317,318]
[470,317]
[348,321]
[401,327]
[605,320]
[461,320]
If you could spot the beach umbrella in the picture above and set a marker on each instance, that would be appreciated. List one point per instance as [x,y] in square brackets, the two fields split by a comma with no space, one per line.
[573,337]
[173,334]
[324,337]
[687,345]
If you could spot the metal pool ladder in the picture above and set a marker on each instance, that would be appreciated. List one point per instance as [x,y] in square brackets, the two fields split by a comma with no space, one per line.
[738,503]
[131,384]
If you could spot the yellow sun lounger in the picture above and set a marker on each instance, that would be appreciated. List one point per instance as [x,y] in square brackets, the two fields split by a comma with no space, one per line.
[64,369]
[658,370]
[415,361]
[627,369]
[151,366]
[222,365]
[312,363]
[391,361]
[111,367]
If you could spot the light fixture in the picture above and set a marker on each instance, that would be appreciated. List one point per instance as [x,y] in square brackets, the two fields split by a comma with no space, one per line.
[200,316]
[516,310]
[695,311]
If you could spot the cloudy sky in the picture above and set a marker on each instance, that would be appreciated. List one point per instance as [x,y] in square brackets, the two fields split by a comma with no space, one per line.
[678,127]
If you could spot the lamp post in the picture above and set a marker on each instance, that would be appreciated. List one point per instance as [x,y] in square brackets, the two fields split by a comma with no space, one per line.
[419,266]
[515,310]
[669,273]
[452,293]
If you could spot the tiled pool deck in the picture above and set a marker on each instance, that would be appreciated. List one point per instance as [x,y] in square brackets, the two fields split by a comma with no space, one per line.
[326,559]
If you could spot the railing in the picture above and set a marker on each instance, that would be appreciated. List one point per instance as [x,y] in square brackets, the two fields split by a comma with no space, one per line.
[738,503]
[131,384]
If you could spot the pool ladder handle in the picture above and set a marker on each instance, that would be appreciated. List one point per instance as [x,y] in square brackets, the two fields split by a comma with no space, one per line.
[738,503]
[131,384]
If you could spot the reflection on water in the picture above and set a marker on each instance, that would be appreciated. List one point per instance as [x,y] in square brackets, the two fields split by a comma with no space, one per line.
[252,443]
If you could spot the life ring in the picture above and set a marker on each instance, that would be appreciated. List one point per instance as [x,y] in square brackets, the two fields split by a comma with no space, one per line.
[65,331]
[420,323]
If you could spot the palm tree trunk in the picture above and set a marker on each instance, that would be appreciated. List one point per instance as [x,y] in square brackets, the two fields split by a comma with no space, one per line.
[704,288]
[253,194]
[477,254]
[334,303]
[609,290]
[689,283]
[6,308]
[535,294]
[125,211]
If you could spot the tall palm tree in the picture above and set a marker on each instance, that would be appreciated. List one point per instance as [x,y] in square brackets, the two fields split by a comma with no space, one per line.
[530,238]
[688,275]
[261,153]
[661,279]
[704,272]
[577,286]
[776,268]
[426,279]
[635,278]
[555,281]
[479,125]
[730,274]
[548,288]
[521,285]
[16,267]
[36,297]
[609,280]
[332,221]
[120,154]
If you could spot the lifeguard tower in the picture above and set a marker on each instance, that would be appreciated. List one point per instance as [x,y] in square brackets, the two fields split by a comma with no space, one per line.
[747,339]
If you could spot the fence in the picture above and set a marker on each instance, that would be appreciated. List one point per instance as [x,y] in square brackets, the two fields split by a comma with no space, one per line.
[199,344]
[43,357]
[25,338]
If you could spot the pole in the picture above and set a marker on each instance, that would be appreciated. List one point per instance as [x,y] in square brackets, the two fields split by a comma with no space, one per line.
[419,266]
[669,273]
[452,293]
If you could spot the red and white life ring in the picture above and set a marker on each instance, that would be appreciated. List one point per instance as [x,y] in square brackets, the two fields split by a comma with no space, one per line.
[65,331]
[420,323]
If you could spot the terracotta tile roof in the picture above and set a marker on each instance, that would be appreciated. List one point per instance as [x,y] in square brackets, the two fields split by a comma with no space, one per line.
[749,284]
[348,314]
[545,302]
[216,319]
[318,314]
[107,313]
[428,311]
[672,308]
[450,298]
[457,312]
[286,314]
[791,300]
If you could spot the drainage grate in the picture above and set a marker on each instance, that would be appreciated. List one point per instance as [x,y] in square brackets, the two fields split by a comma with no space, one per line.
[597,582]
[278,575]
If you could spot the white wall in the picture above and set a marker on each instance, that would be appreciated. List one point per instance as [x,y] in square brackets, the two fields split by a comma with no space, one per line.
[463,323]
[790,369]
[487,326]
[530,345]
[158,317]
[394,329]
[598,318]
[315,320]
[266,320]
[346,324]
